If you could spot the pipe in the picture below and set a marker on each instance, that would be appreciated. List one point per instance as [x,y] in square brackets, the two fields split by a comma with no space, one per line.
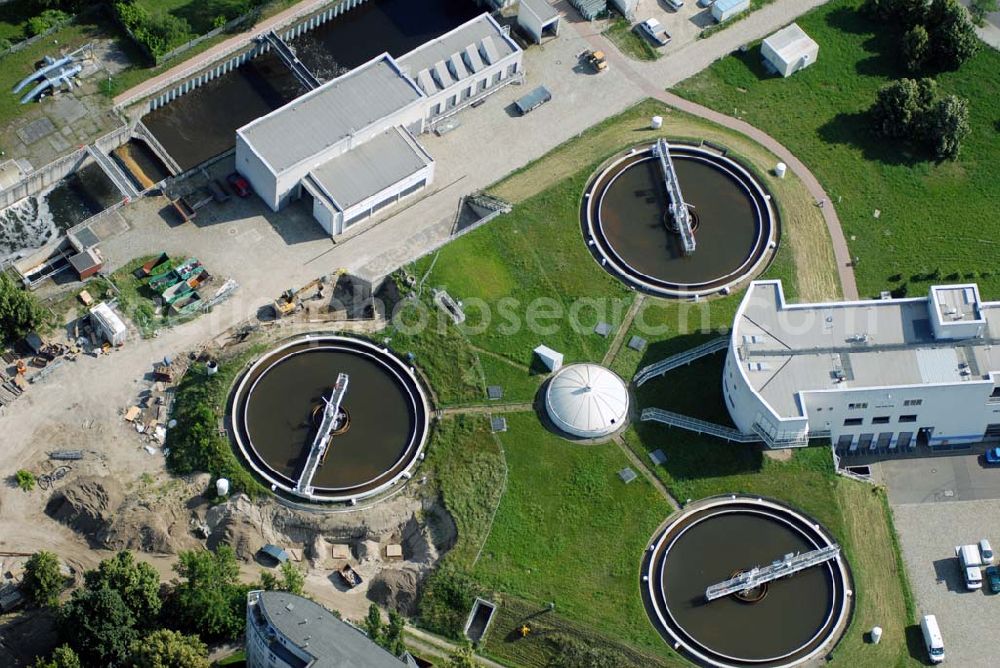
[40,73]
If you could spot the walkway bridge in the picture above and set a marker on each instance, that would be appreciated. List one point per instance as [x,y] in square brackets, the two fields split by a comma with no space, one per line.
[114,172]
[755,577]
[321,442]
[650,372]
[678,208]
[298,68]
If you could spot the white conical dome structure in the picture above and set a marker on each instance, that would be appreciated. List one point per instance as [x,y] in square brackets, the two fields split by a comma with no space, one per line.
[587,400]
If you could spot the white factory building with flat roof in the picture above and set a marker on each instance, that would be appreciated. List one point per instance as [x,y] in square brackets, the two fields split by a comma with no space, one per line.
[350,145]
[880,375]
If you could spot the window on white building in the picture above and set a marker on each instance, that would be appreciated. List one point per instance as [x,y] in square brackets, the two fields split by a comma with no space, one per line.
[881,419]
[907,418]
[913,402]
[853,422]
[858,406]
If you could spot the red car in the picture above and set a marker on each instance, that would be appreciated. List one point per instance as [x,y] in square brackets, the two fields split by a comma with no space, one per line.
[239,184]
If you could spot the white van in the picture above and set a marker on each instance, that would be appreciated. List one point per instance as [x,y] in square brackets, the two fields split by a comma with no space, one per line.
[932,638]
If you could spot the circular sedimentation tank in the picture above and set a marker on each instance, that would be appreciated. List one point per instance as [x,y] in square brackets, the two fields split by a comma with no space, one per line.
[785,622]
[626,222]
[379,436]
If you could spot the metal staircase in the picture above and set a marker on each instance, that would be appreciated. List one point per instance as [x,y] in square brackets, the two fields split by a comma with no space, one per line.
[647,373]
[697,426]
[756,576]
[678,208]
[298,68]
[322,440]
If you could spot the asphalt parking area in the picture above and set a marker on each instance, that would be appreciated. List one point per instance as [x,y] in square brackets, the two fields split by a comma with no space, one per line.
[939,478]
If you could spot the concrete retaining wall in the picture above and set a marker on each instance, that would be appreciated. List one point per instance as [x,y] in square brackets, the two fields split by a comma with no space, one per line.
[42,178]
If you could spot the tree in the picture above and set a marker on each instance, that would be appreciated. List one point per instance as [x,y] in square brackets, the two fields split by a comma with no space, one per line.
[42,580]
[952,33]
[25,480]
[164,648]
[62,657]
[916,48]
[980,8]
[294,579]
[899,105]
[137,583]
[393,636]
[945,125]
[210,600]
[908,13]
[373,624]
[98,626]
[19,312]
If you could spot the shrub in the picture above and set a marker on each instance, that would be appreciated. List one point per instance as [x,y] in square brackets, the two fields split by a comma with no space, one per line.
[445,602]
[25,480]
[899,106]
[952,33]
[916,48]
[50,17]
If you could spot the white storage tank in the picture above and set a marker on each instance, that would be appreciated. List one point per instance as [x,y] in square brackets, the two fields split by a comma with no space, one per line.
[657,122]
[222,487]
[780,169]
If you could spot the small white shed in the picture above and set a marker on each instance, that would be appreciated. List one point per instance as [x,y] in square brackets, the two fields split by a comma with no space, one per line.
[107,322]
[550,358]
[723,10]
[538,18]
[789,50]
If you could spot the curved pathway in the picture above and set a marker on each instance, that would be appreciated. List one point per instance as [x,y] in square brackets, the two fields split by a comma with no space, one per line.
[653,77]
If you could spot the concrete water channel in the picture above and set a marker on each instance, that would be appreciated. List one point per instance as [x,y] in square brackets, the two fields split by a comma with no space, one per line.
[201,124]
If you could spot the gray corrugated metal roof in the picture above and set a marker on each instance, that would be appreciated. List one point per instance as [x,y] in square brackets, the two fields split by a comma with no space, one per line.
[542,10]
[311,627]
[330,113]
[370,168]
[474,32]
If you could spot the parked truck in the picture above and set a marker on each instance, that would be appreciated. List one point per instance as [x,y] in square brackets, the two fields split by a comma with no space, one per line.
[971,562]
[655,31]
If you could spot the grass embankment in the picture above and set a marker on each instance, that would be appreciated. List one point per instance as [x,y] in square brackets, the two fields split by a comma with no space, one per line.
[629,41]
[855,513]
[566,531]
[196,443]
[532,263]
[934,220]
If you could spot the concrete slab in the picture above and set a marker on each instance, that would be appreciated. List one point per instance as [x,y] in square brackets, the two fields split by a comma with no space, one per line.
[65,109]
[35,130]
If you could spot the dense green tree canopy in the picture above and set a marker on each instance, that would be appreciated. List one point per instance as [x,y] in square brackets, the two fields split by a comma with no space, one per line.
[168,649]
[209,600]
[98,626]
[137,583]
[19,312]
[42,580]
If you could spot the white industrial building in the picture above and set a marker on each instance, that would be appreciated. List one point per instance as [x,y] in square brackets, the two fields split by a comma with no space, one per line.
[879,375]
[789,50]
[587,401]
[107,323]
[349,145]
[723,10]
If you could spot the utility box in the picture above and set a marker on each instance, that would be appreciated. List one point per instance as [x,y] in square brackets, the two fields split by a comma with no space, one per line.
[789,50]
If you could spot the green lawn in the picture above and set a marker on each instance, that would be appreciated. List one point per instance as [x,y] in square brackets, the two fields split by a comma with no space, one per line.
[201,15]
[570,532]
[14,16]
[631,43]
[934,220]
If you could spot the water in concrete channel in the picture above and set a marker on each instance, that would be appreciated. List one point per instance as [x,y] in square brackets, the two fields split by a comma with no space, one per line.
[34,221]
[202,124]
[141,163]
[377,26]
